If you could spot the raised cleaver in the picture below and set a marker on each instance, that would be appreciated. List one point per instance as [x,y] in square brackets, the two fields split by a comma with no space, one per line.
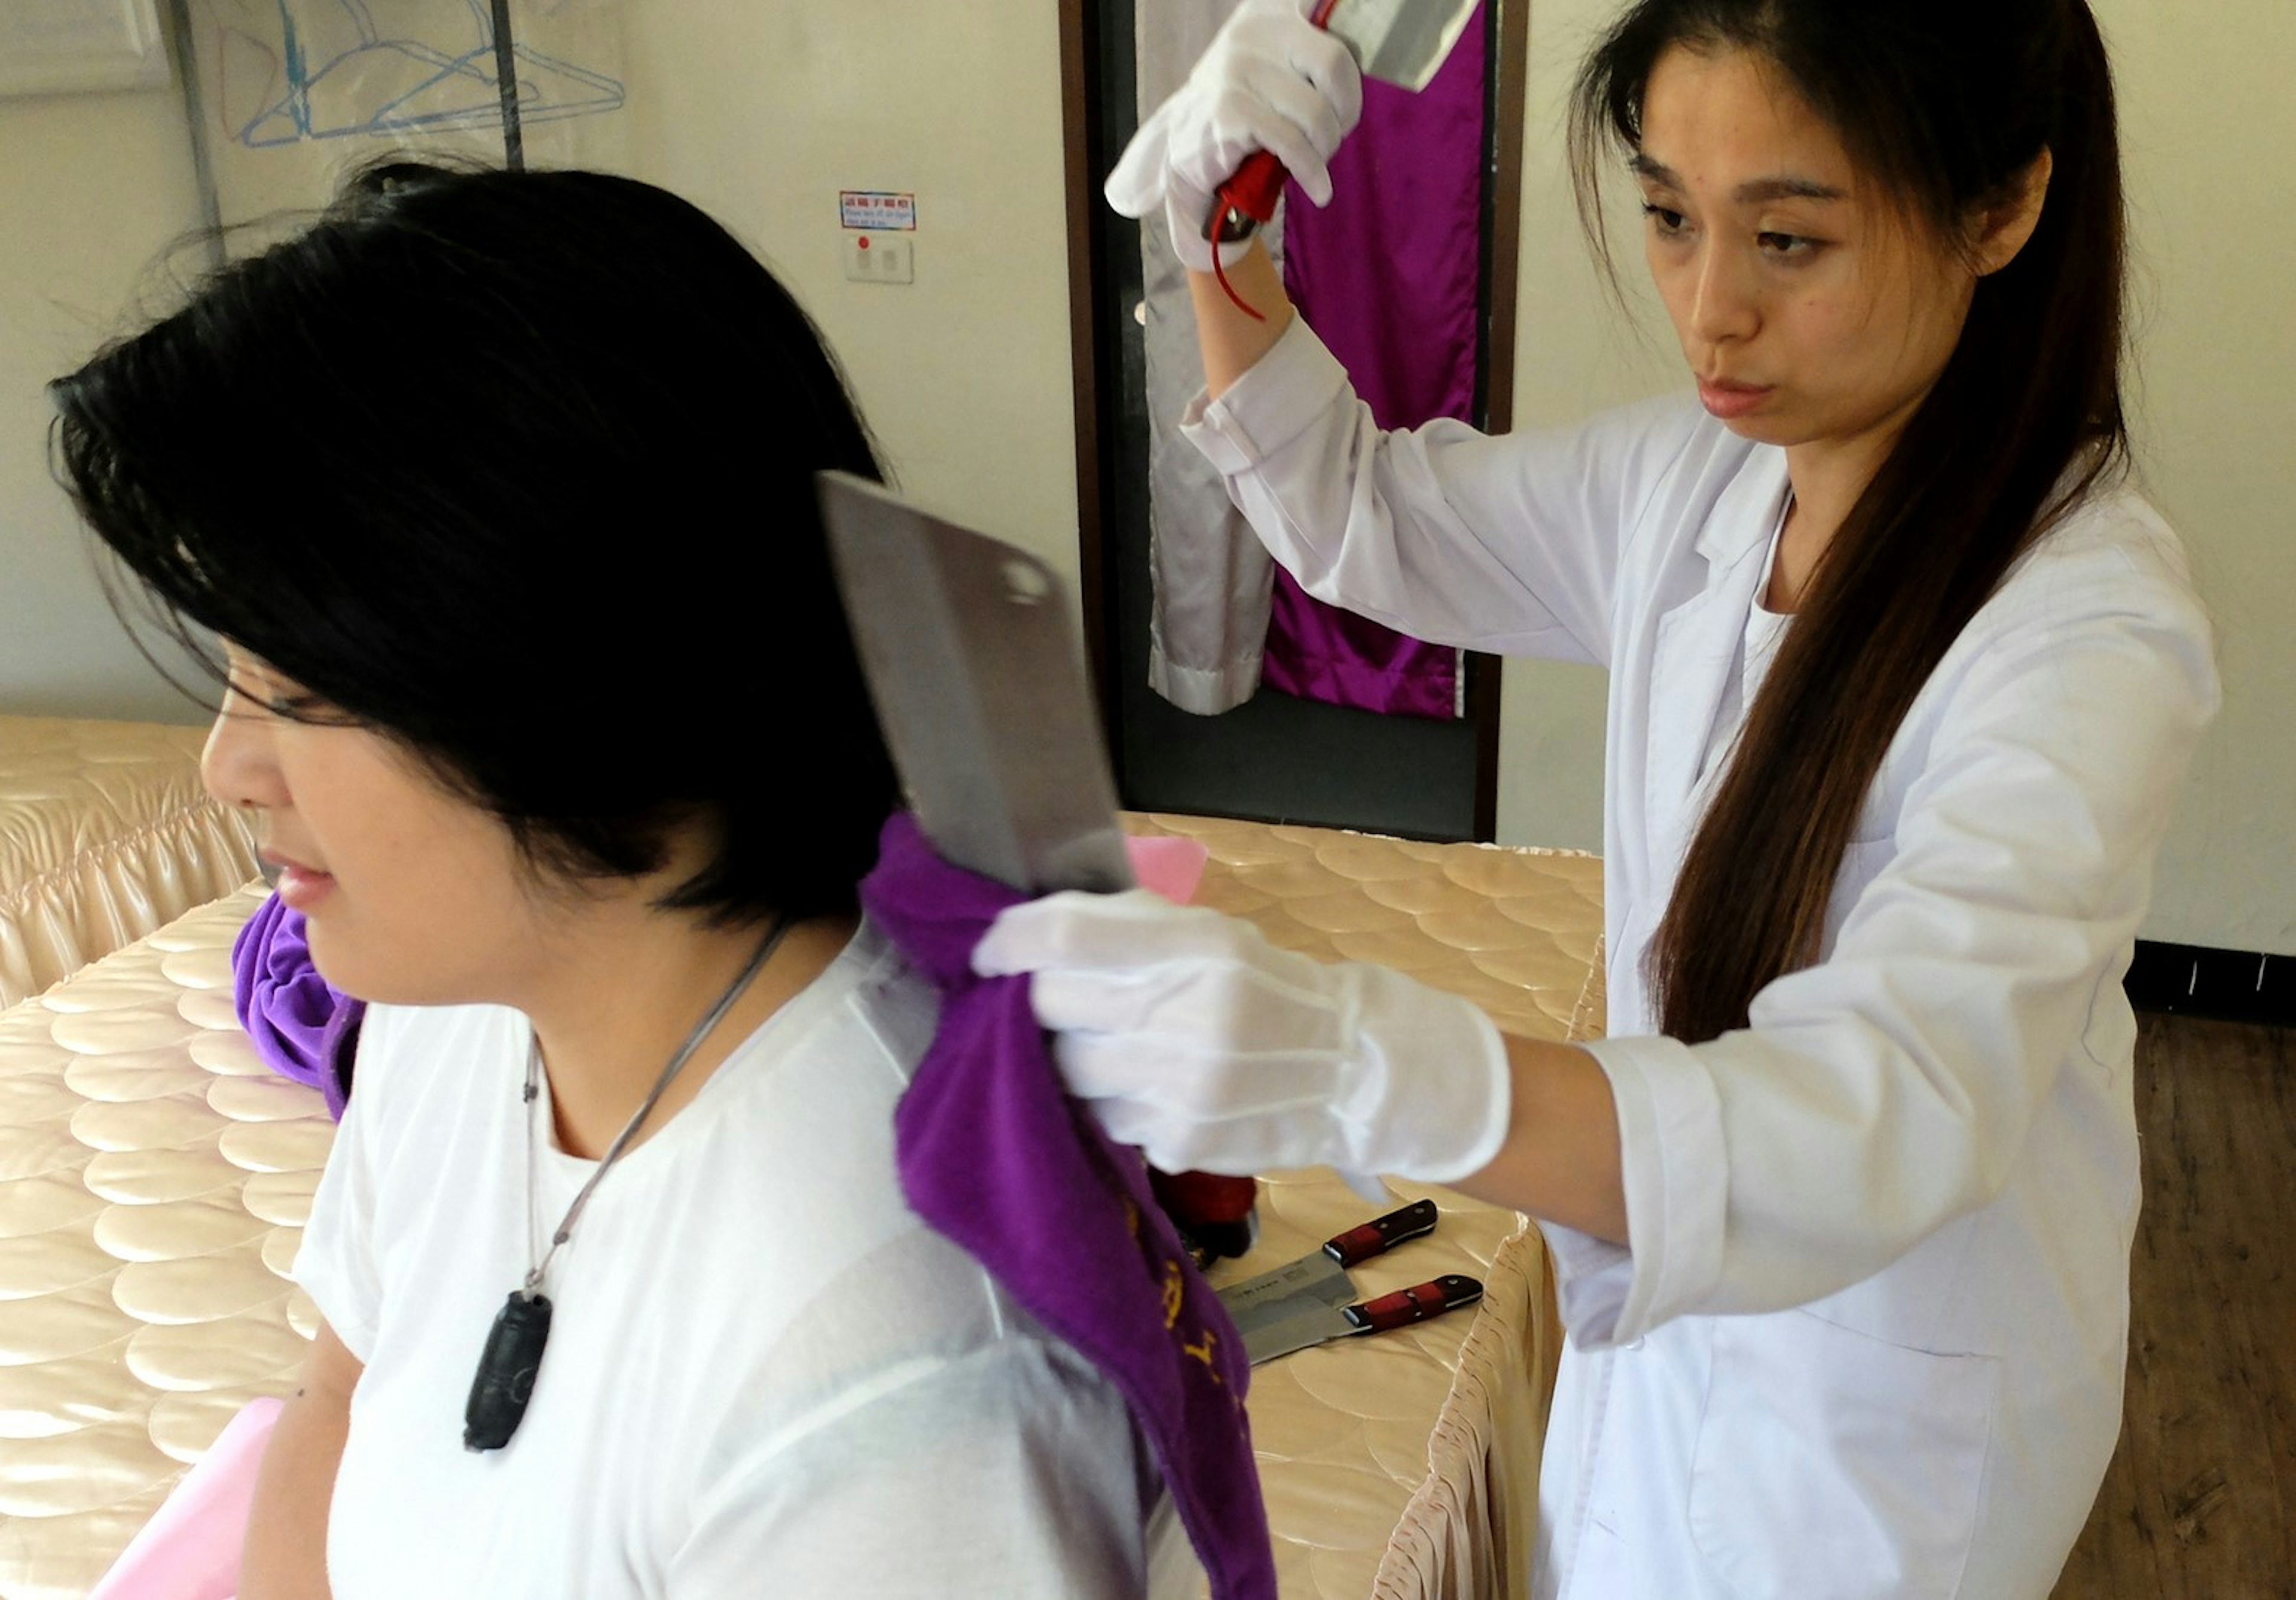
[980,684]
[1401,41]
[1312,1324]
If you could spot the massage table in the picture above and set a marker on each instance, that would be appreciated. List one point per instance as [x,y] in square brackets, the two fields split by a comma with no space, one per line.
[154,1176]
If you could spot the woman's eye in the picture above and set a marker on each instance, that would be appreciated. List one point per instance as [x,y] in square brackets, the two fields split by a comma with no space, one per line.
[292,705]
[1789,245]
[1666,220]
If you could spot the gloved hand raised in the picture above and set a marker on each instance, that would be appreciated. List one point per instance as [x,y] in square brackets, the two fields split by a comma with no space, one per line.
[1271,80]
[1193,1038]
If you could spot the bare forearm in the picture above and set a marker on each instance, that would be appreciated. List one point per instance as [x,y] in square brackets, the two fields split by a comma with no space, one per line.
[1232,341]
[1561,1158]
[285,1556]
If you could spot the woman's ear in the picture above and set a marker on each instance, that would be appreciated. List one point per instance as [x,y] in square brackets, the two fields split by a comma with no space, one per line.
[2004,226]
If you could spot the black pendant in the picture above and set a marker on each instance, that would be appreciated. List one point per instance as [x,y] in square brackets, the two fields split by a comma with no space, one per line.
[504,1382]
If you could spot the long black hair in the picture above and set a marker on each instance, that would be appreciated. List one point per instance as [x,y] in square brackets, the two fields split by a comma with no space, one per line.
[517,469]
[1944,105]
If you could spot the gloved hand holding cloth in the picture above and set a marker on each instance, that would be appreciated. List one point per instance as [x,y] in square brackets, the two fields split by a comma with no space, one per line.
[1191,1037]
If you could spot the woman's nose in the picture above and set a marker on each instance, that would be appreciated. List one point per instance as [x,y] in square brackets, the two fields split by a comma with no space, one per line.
[240,763]
[1723,307]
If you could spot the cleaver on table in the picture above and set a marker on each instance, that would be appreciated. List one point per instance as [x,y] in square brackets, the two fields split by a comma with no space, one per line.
[1312,1324]
[1320,1277]
[980,684]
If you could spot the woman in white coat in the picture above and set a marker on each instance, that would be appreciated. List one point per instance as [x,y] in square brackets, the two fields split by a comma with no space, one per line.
[1903,681]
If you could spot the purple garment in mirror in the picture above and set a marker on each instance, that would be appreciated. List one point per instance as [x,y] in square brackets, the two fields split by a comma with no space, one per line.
[1390,275]
[301,1026]
[994,1154]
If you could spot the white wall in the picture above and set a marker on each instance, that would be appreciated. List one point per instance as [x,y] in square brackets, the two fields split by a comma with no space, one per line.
[1576,351]
[762,117]
[2208,131]
[92,187]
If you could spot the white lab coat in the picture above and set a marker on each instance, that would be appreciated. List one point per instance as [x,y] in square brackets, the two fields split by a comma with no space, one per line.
[1870,1335]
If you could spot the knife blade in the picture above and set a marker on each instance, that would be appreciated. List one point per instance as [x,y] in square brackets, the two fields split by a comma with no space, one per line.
[979,680]
[1401,41]
[1320,1324]
[1320,1277]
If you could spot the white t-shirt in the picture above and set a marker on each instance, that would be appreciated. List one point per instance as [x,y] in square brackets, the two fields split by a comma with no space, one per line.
[1758,647]
[764,1374]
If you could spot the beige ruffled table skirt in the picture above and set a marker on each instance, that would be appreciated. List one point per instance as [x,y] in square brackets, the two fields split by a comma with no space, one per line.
[154,1177]
[105,836]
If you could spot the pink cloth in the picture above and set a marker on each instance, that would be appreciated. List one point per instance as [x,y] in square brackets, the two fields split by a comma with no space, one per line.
[189,1548]
[1172,867]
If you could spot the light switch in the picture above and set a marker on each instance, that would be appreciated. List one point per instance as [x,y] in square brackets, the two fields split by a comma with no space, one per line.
[880,256]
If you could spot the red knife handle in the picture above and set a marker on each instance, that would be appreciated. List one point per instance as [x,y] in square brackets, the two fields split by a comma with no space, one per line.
[1216,1215]
[1248,197]
[1246,200]
[1382,1233]
[1417,1303]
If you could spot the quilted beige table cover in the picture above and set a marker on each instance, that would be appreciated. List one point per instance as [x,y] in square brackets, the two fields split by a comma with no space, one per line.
[105,835]
[154,1177]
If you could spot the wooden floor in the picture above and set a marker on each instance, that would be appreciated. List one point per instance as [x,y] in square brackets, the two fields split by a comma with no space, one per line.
[2201,1500]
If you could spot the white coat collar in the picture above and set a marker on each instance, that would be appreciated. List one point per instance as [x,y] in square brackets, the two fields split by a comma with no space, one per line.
[1698,642]
[1729,533]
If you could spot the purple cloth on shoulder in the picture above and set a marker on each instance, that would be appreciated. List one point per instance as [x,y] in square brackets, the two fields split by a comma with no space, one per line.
[993,1154]
[301,1025]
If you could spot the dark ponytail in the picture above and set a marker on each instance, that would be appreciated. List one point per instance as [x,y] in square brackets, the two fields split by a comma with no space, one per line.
[1944,104]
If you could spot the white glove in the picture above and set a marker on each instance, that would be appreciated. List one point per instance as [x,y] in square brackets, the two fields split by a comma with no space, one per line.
[1193,1038]
[1271,80]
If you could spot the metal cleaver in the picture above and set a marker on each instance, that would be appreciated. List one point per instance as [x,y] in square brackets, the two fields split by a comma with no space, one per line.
[1315,1324]
[980,684]
[1401,41]
[1320,1277]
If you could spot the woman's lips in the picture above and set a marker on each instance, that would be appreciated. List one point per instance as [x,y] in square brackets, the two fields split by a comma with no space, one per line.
[301,887]
[1730,401]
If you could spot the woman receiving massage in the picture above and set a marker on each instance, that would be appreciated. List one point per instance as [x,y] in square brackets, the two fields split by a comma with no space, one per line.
[497,490]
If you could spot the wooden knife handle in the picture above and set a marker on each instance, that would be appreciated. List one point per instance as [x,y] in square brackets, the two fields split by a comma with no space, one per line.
[1382,1234]
[1417,1303]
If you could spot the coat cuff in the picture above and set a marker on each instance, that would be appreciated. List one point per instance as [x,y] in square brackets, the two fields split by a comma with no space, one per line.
[1285,390]
[1204,691]
[1672,1160]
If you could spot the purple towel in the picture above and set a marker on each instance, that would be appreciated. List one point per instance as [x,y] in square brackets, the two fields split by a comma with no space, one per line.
[994,1154]
[301,1025]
